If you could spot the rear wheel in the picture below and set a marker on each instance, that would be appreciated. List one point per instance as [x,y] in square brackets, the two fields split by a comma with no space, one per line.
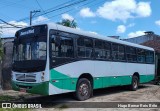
[135,83]
[84,89]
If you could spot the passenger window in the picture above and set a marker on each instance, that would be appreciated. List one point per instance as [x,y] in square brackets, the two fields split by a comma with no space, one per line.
[149,57]
[115,51]
[62,46]
[102,50]
[85,42]
[131,54]
[141,55]
[85,47]
[121,55]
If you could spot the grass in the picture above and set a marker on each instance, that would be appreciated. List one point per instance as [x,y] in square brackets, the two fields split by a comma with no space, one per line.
[13,109]
[6,98]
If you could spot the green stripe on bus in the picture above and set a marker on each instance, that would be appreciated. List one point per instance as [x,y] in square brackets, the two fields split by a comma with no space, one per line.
[62,81]
[68,83]
[146,78]
[36,88]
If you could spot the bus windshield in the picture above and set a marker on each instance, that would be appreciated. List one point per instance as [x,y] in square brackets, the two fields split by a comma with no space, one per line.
[30,51]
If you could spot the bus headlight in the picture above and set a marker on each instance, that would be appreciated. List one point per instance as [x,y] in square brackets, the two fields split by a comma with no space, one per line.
[42,76]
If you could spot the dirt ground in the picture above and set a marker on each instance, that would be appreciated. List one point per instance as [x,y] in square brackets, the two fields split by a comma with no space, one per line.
[145,93]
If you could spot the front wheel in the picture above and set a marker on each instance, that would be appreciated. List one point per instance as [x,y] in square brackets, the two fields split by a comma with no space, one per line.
[84,89]
[135,83]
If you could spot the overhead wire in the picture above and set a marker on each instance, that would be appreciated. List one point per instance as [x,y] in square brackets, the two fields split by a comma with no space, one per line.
[56,9]
[16,26]
[71,10]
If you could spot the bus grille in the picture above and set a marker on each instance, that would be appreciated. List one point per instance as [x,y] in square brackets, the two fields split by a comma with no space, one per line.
[26,77]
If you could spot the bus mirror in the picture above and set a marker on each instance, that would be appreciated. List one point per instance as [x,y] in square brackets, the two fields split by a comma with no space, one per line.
[57,40]
[16,41]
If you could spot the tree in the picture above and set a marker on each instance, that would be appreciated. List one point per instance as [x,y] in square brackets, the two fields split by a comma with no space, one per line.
[68,23]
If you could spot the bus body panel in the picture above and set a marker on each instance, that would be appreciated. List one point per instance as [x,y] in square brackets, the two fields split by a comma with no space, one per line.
[64,78]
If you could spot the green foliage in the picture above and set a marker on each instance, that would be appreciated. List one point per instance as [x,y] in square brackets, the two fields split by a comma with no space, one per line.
[68,23]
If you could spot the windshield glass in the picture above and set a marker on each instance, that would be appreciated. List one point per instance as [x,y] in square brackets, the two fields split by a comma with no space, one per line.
[30,51]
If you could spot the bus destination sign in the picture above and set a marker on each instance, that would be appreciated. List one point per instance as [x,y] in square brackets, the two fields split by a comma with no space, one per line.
[31,31]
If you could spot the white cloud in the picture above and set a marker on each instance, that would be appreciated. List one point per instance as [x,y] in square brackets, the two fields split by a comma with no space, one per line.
[93,32]
[40,19]
[121,29]
[10,32]
[135,34]
[67,16]
[122,10]
[157,22]
[131,25]
[143,9]
[86,12]
[23,24]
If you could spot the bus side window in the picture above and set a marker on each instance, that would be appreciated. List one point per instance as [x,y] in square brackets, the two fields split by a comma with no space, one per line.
[85,47]
[62,46]
[149,57]
[121,54]
[131,54]
[115,51]
[141,55]
[102,50]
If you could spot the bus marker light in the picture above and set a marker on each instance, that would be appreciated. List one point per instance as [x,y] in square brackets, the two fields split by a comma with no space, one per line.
[55,81]
[42,78]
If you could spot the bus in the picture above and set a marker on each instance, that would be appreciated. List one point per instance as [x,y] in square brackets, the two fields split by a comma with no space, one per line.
[51,59]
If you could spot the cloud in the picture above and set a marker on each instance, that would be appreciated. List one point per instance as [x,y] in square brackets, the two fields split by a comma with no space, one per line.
[135,34]
[121,29]
[157,22]
[122,10]
[143,9]
[93,32]
[10,32]
[67,16]
[86,12]
[23,24]
[40,19]
[131,25]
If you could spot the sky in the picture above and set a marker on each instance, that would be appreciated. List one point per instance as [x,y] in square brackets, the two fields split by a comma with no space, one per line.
[124,18]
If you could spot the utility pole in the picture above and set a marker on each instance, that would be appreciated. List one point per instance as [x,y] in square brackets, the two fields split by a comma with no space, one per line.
[32,13]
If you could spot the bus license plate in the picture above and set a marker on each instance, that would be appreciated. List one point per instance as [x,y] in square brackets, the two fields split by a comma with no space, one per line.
[22,90]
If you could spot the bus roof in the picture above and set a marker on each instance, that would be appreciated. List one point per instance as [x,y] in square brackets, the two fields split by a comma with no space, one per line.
[88,34]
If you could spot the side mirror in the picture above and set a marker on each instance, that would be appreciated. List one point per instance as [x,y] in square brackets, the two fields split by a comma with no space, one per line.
[16,41]
[56,40]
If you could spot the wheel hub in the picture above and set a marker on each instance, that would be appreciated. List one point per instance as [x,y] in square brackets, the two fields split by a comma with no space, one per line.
[83,90]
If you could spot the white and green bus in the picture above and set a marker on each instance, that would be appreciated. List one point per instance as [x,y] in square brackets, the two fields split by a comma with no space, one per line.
[52,59]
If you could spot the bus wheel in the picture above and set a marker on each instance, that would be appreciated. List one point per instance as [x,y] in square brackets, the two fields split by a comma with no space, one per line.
[84,89]
[135,83]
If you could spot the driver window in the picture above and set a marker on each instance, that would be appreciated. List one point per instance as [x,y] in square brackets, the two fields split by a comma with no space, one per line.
[62,46]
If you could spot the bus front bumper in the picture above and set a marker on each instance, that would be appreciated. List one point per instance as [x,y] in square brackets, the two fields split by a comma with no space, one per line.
[35,88]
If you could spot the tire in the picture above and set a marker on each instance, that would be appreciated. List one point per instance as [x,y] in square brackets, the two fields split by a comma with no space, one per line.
[83,90]
[135,83]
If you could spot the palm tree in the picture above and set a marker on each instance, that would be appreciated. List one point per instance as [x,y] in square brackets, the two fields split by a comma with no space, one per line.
[68,23]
